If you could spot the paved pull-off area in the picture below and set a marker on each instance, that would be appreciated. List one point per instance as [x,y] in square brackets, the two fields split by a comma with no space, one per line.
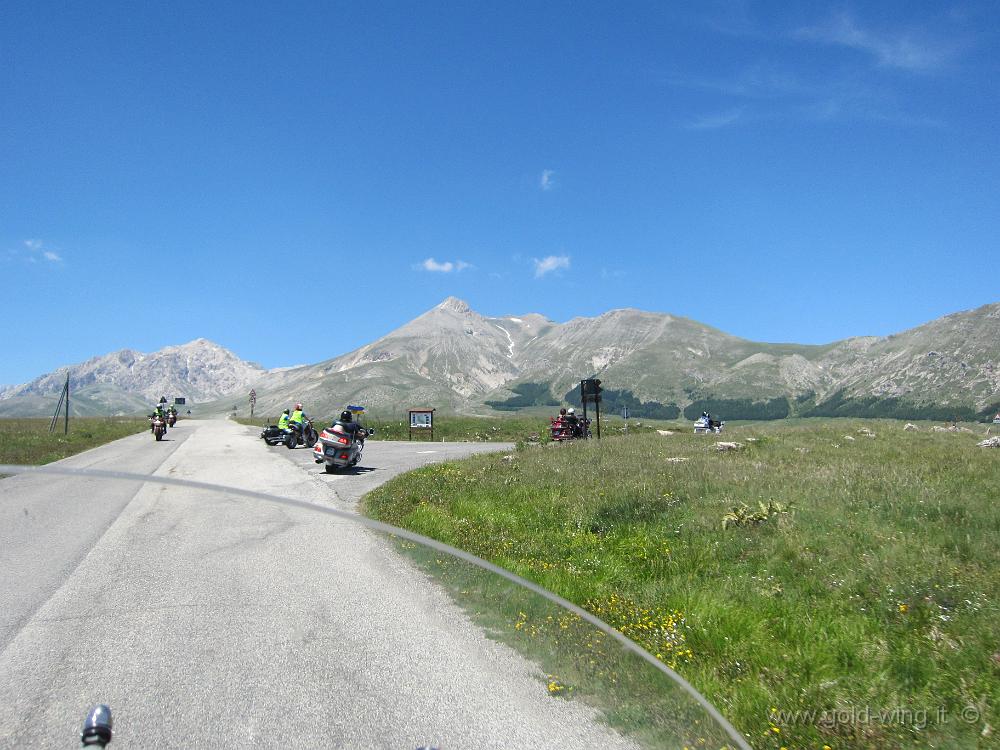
[209,620]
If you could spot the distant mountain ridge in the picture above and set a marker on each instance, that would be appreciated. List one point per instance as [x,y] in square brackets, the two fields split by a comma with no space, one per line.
[453,358]
[128,381]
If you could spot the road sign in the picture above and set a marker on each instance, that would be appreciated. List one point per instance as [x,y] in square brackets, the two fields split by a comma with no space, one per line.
[422,419]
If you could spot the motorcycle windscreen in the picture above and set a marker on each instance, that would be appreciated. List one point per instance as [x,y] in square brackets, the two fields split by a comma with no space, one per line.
[209,616]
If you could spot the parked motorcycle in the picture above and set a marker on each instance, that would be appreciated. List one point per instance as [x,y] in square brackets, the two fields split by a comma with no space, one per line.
[159,427]
[338,449]
[302,434]
[289,436]
[706,424]
[563,429]
[272,434]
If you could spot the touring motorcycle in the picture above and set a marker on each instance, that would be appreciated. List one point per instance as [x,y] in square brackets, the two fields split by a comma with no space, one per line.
[290,436]
[706,424]
[562,429]
[338,448]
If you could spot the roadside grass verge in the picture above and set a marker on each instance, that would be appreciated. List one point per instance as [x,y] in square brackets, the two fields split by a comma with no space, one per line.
[28,441]
[580,661]
[820,586]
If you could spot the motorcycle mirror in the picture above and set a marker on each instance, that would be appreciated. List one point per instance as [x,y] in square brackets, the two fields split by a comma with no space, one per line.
[371,431]
[97,727]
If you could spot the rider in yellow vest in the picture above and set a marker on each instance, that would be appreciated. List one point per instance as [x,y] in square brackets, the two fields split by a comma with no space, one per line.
[283,420]
[298,415]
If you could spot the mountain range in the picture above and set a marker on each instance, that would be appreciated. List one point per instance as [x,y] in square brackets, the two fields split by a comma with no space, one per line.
[454,359]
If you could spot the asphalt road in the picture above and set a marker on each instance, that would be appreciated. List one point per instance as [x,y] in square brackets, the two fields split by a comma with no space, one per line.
[210,620]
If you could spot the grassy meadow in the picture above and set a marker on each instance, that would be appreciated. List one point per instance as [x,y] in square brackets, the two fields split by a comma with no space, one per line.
[833,583]
[28,441]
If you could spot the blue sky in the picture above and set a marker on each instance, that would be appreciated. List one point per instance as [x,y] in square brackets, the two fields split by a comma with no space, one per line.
[294,181]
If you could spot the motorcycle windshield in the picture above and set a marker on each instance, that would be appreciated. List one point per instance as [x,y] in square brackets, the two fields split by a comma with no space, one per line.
[209,616]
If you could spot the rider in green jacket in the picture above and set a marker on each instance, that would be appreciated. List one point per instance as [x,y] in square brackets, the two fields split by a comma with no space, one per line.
[298,415]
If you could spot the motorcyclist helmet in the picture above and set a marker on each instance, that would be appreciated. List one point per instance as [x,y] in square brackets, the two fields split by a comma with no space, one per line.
[571,411]
[286,412]
[346,416]
[298,406]
[562,412]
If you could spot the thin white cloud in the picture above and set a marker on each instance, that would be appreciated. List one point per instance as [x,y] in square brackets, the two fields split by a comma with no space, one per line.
[910,50]
[550,264]
[34,251]
[548,179]
[445,267]
[714,122]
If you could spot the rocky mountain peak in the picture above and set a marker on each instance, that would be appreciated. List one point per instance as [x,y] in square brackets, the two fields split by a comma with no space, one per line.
[455,305]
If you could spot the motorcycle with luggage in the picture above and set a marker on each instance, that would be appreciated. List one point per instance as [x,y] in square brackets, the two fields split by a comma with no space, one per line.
[705,424]
[339,448]
[562,429]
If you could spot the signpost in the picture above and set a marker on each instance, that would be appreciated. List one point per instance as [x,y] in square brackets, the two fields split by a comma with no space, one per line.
[253,400]
[590,390]
[421,419]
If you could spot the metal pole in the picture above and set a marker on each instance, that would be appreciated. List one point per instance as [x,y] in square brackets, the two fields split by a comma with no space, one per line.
[597,405]
[66,391]
[55,414]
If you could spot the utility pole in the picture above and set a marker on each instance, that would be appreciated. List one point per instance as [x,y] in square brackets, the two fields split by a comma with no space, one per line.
[63,400]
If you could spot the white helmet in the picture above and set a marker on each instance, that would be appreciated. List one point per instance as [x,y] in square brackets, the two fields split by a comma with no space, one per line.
[571,410]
